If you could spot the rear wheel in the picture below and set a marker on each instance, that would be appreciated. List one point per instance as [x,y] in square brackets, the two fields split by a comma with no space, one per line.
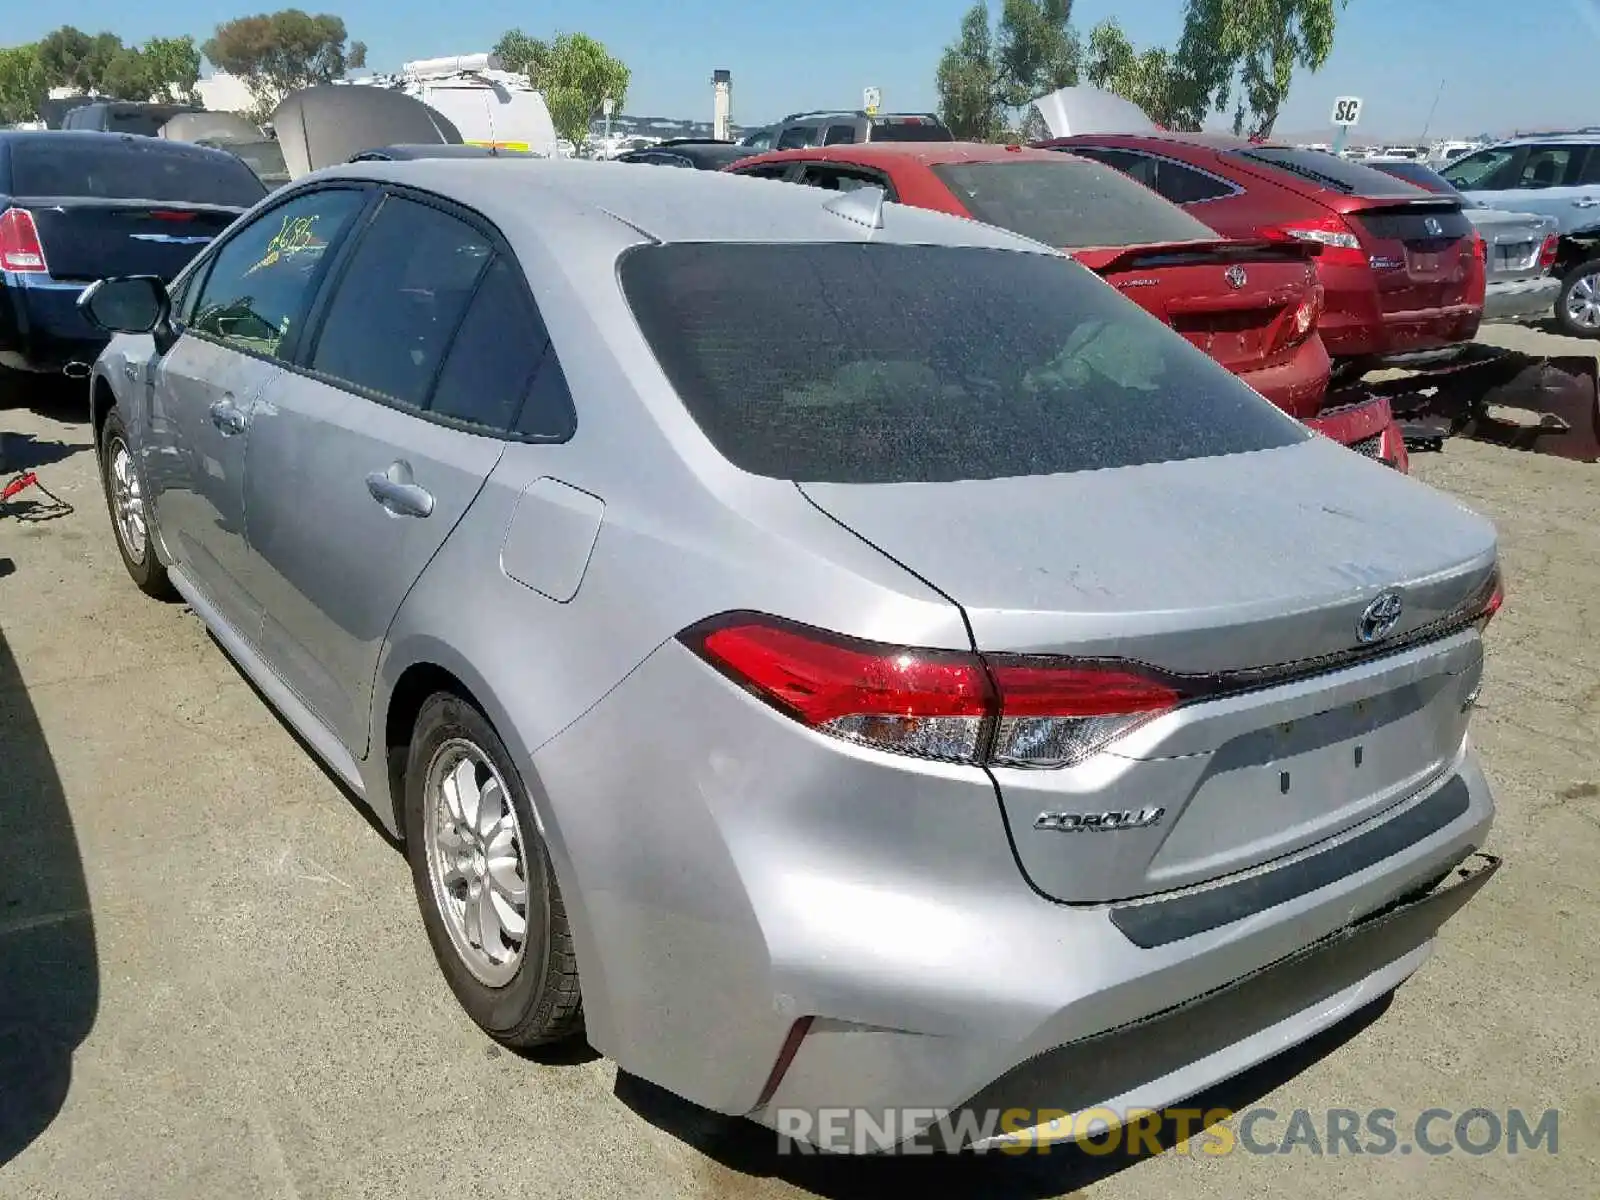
[484,882]
[1578,304]
[130,514]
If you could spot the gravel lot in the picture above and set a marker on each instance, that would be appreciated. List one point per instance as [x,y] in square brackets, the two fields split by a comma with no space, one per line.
[213,980]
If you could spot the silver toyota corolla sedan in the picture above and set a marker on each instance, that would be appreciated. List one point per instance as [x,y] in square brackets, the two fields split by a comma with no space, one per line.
[840,656]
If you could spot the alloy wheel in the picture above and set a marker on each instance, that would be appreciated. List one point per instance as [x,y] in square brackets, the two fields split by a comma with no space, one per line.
[127,502]
[477,861]
[1583,302]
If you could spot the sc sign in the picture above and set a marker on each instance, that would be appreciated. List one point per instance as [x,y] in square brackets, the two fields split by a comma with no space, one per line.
[1347,110]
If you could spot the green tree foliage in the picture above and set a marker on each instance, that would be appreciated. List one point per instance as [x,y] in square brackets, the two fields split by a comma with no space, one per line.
[356,59]
[171,68]
[163,68]
[1150,78]
[72,58]
[990,71]
[22,84]
[276,53]
[573,72]
[1243,53]
[1238,54]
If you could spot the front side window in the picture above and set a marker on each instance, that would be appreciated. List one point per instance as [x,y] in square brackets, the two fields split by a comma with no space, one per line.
[883,363]
[797,137]
[1486,170]
[399,300]
[260,282]
[839,135]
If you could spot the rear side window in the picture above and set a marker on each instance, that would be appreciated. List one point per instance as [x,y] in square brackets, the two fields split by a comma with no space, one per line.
[497,358]
[1590,174]
[1546,166]
[1068,203]
[884,363]
[838,135]
[399,300]
[1323,169]
[139,169]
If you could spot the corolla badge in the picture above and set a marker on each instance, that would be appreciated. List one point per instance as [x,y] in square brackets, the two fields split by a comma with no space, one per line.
[1431,224]
[1379,618]
[1236,277]
[1101,822]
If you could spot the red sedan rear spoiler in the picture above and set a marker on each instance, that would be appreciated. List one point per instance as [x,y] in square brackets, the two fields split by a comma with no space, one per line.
[1119,258]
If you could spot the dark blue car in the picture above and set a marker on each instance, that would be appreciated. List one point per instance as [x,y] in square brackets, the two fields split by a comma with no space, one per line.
[78,206]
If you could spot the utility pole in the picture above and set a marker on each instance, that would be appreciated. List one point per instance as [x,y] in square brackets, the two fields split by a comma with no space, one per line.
[1429,122]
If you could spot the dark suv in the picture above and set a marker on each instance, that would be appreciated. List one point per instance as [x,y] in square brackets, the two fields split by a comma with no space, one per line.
[833,127]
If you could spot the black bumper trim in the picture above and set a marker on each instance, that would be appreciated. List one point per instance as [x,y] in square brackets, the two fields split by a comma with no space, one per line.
[1160,922]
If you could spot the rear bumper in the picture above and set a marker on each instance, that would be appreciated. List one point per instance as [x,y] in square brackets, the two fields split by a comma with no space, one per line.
[1099,1026]
[1521,299]
[1298,384]
[768,881]
[41,328]
[1355,325]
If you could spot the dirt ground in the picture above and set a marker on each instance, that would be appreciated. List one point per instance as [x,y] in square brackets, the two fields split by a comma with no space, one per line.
[214,983]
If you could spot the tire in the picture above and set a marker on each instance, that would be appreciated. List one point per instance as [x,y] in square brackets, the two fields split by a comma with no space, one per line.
[538,1000]
[1580,289]
[144,567]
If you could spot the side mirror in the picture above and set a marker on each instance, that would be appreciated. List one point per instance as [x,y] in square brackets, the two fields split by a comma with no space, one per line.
[130,304]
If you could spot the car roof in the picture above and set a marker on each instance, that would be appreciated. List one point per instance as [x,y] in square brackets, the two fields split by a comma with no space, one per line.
[89,137]
[927,153]
[616,207]
[1212,141]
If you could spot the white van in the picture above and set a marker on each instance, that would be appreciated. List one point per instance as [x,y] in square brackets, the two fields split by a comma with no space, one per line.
[490,106]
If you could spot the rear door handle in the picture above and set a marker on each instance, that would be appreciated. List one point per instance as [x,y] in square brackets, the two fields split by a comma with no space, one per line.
[1586,203]
[225,415]
[398,494]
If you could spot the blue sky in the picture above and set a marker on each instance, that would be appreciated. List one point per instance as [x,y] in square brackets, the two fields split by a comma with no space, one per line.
[1504,63]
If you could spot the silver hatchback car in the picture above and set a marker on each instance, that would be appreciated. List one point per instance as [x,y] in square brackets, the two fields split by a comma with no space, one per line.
[839,656]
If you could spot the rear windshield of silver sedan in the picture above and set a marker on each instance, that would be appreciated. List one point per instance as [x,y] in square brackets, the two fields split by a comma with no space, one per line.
[883,363]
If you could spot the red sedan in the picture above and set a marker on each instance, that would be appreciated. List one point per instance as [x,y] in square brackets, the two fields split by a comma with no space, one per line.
[1403,267]
[1252,305]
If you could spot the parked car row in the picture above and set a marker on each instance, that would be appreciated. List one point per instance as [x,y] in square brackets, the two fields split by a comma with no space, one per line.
[827,652]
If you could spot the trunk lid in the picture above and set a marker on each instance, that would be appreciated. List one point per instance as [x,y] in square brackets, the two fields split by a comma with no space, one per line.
[1207,567]
[91,239]
[1513,241]
[1421,252]
[1235,300]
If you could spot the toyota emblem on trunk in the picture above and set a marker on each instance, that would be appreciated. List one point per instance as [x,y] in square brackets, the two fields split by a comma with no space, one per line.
[1379,618]
[1433,227]
[1236,277]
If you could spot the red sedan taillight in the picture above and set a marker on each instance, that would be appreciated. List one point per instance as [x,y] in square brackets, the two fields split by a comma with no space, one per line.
[951,705]
[1339,243]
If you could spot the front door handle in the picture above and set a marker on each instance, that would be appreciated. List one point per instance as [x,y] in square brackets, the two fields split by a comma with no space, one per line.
[225,415]
[398,494]
[1586,203]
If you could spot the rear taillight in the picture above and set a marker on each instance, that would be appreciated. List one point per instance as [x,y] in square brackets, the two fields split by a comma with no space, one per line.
[1549,251]
[1055,713]
[1480,248]
[20,250]
[166,214]
[1339,243]
[951,705]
